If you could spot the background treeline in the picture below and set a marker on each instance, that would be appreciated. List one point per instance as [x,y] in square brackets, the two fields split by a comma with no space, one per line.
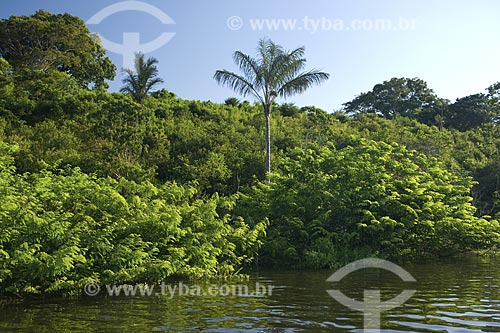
[96,186]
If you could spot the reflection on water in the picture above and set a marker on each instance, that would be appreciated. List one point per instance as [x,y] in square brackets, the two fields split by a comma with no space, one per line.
[458,296]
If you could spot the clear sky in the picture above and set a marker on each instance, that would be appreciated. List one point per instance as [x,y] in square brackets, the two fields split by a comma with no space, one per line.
[453,45]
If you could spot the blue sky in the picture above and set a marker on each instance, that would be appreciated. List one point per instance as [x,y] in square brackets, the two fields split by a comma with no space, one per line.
[453,45]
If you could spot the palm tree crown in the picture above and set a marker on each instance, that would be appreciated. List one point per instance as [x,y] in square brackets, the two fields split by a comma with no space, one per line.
[138,83]
[274,73]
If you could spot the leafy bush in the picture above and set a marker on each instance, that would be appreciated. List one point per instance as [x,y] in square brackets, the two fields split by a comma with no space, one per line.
[329,205]
[63,228]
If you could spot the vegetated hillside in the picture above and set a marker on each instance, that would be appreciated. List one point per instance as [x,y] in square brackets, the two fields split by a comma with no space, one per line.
[97,187]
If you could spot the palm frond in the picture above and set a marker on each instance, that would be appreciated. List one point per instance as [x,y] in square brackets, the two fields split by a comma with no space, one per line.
[273,73]
[236,82]
[153,82]
[139,83]
[268,51]
[287,66]
[129,81]
[293,63]
[250,68]
[301,82]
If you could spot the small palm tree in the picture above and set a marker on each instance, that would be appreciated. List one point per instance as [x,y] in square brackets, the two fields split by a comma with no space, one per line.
[275,73]
[139,83]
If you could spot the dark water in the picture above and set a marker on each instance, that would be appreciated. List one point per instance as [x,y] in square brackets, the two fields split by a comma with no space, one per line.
[457,296]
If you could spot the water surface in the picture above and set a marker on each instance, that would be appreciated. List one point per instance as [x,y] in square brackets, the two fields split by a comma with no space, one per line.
[453,296]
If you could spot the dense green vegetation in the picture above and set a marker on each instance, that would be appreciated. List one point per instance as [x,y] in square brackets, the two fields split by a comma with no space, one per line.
[274,73]
[96,186]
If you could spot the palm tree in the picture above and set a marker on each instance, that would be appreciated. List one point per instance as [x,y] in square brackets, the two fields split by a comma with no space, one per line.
[274,73]
[139,83]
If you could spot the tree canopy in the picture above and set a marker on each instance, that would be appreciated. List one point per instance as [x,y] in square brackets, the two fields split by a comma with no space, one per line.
[46,41]
[471,112]
[399,97]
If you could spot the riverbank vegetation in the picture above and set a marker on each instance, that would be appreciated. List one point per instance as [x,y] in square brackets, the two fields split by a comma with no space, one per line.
[107,187]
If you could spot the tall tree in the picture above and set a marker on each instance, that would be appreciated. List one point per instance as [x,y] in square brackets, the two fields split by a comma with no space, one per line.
[494,97]
[139,83]
[62,42]
[400,97]
[471,111]
[274,73]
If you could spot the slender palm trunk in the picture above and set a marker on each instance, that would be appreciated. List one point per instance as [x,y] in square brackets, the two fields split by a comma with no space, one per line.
[267,112]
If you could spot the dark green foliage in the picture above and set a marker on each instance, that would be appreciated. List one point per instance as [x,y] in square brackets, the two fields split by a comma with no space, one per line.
[95,186]
[289,110]
[329,205]
[403,97]
[61,42]
[39,95]
[63,229]
[399,97]
[323,161]
[471,112]
[232,101]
